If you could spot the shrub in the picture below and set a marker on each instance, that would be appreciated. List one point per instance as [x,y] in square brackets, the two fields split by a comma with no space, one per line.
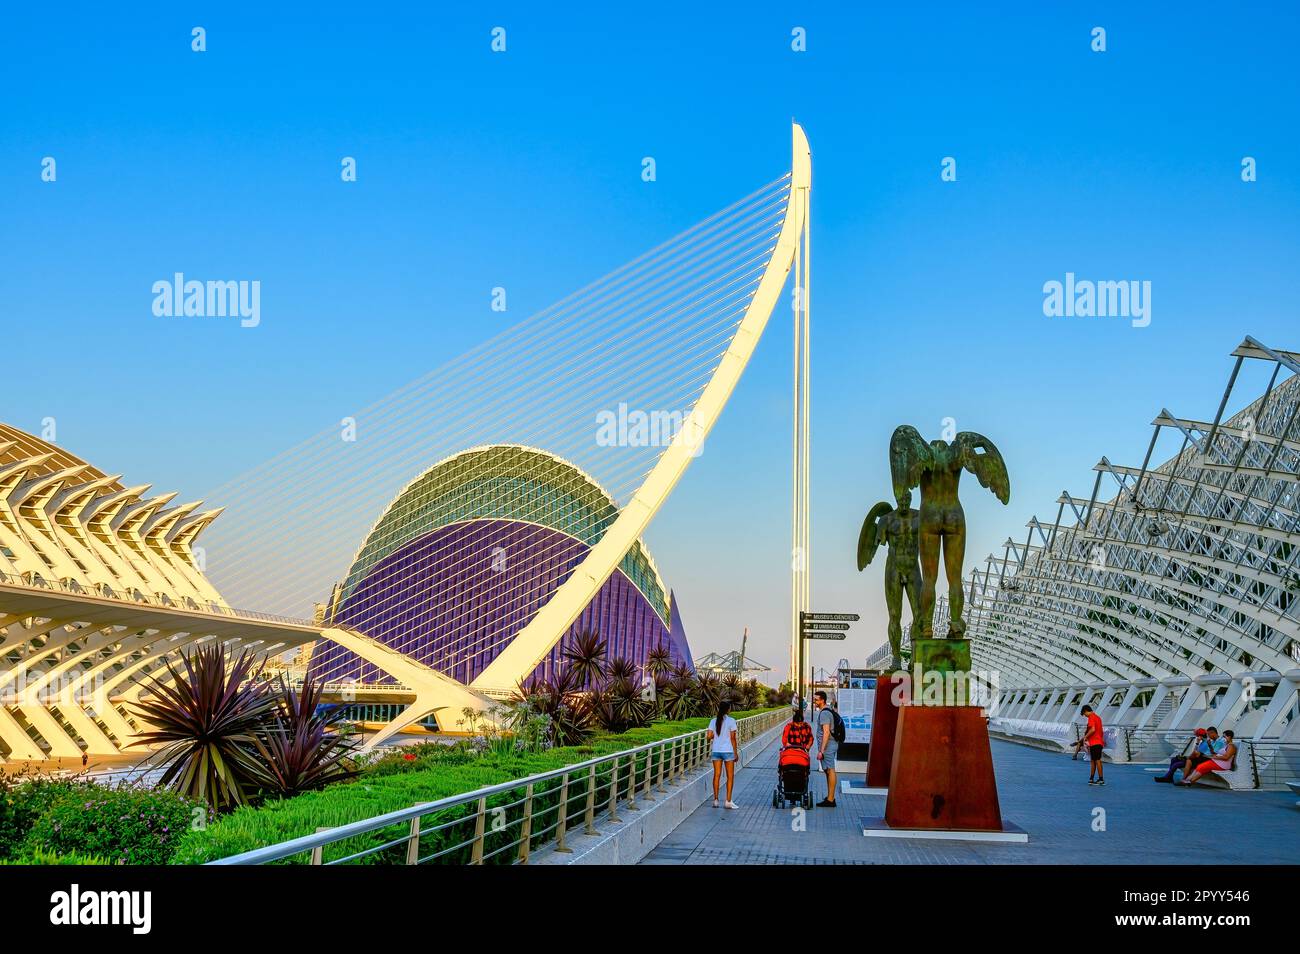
[23,800]
[207,718]
[123,825]
[230,738]
[300,748]
[42,856]
[419,757]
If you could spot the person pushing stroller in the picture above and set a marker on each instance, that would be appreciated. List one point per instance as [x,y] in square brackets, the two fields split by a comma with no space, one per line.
[794,764]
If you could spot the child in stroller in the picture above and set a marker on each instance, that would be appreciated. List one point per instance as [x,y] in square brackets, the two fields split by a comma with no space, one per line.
[793,765]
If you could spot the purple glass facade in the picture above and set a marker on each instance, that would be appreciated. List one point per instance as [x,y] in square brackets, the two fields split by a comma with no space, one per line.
[454,597]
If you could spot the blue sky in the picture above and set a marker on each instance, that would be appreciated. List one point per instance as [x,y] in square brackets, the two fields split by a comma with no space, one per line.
[523,170]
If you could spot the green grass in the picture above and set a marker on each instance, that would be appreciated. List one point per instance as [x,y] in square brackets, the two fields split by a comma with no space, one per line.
[255,827]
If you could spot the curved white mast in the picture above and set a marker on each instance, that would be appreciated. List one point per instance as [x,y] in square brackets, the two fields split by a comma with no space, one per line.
[544,630]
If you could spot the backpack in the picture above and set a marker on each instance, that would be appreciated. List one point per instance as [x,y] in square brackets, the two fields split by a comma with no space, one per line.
[838,732]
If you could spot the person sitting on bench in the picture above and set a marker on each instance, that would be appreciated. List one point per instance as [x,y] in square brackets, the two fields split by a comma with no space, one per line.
[1204,744]
[1224,761]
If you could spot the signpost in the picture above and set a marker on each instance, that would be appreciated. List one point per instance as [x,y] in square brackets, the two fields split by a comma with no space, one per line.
[824,626]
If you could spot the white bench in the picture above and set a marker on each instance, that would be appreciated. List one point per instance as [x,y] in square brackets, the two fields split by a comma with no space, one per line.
[1239,779]
[1061,733]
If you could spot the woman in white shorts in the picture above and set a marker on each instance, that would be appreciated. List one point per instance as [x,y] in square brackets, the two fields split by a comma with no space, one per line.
[726,749]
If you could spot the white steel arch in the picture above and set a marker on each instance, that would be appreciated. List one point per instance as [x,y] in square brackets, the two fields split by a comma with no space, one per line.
[545,629]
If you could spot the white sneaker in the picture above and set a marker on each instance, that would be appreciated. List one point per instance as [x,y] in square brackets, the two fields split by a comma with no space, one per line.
[732,805]
[715,803]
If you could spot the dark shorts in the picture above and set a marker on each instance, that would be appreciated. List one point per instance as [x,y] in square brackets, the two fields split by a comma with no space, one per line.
[1094,752]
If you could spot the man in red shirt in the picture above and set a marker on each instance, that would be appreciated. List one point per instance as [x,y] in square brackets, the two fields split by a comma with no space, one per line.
[1095,736]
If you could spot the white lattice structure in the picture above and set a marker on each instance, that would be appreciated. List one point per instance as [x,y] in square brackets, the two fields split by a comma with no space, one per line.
[98,584]
[1170,605]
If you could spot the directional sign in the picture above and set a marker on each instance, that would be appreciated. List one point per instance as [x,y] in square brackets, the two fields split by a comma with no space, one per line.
[808,635]
[822,624]
[846,617]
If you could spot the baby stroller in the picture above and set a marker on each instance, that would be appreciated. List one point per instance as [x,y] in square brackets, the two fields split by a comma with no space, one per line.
[793,767]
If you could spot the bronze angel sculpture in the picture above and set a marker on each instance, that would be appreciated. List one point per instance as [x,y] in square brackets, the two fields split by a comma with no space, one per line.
[937,468]
[897,529]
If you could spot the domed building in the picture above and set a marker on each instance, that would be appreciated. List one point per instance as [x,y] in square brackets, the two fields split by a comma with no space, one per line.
[469,552]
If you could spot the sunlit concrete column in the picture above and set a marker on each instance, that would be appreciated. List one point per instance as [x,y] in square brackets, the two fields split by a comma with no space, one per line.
[1186,715]
[1125,705]
[1234,702]
[20,743]
[1288,688]
[1063,713]
[1040,708]
[1150,709]
[1104,708]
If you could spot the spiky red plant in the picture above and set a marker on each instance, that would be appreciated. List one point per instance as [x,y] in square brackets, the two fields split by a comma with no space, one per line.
[207,716]
[300,746]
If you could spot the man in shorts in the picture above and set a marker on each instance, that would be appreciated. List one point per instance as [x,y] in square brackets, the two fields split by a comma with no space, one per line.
[1095,736]
[827,746]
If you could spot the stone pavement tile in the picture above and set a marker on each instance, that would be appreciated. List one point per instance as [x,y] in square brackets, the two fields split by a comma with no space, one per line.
[1131,820]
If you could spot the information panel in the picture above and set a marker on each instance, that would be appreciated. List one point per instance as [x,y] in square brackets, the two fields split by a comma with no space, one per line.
[856,702]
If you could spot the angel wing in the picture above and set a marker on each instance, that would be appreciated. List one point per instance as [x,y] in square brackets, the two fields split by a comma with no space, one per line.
[869,538]
[909,457]
[988,467]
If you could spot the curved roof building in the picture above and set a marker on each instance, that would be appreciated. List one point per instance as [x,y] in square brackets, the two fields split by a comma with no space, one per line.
[64,521]
[469,552]
[99,587]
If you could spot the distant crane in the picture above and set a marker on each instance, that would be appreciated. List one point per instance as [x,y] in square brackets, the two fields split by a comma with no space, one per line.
[732,662]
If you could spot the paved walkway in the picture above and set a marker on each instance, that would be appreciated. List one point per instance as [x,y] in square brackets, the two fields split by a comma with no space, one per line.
[1044,792]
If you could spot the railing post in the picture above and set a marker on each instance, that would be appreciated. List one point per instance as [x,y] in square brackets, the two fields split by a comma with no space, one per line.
[663,758]
[562,823]
[476,852]
[319,850]
[613,791]
[591,801]
[526,826]
[631,785]
[648,788]
[413,842]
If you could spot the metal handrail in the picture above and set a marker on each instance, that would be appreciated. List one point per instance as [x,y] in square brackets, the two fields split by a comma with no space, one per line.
[637,773]
[189,604]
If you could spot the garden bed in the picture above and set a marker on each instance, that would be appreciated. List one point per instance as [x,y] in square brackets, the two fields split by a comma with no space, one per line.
[436,772]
